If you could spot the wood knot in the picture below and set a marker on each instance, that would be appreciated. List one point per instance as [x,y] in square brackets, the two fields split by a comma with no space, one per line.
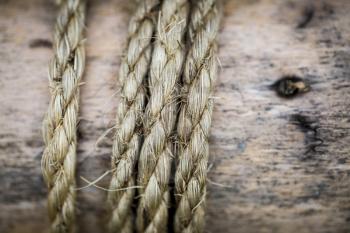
[307,16]
[290,86]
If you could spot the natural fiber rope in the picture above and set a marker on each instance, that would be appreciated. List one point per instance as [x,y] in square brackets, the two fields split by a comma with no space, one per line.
[127,140]
[59,126]
[160,117]
[195,117]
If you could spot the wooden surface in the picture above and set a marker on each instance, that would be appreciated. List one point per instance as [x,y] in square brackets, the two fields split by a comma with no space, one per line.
[277,164]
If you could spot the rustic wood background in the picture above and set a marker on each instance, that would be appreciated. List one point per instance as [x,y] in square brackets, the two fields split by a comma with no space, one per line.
[277,164]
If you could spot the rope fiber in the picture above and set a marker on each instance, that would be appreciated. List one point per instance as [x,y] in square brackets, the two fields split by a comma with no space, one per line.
[127,141]
[60,122]
[166,88]
[195,117]
[160,117]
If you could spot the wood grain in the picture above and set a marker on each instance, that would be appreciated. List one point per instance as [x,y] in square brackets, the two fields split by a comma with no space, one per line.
[277,164]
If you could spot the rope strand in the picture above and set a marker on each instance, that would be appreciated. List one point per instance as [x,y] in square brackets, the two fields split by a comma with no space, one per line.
[160,117]
[127,140]
[60,122]
[195,117]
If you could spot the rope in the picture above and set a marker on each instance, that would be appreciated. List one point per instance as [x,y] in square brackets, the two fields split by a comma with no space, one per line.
[160,117]
[195,117]
[60,122]
[127,140]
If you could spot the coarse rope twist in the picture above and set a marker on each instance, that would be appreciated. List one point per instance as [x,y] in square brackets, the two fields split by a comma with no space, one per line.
[195,117]
[127,141]
[60,122]
[160,117]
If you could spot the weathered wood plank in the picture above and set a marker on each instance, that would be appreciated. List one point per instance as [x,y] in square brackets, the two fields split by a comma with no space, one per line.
[277,164]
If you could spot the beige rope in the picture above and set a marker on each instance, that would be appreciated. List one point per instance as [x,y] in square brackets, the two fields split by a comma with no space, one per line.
[195,117]
[160,117]
[59,126]
[127,140]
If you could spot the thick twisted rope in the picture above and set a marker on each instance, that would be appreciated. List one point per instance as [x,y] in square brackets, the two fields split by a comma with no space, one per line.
[127,140]
[59,126]
[195,117]
[160,117]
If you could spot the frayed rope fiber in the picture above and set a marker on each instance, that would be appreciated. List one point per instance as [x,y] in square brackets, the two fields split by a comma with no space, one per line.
[60,122]
[165,103]
[160,117]
[127,140]
[195,117]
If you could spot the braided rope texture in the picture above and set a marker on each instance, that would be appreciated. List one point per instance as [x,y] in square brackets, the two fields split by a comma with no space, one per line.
[60,122]
[160,117]
[195,117]
[127,140]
